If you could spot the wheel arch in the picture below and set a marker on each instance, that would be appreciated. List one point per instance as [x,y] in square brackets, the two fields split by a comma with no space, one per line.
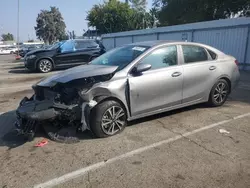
[48,58]
[224,77]
[102,98]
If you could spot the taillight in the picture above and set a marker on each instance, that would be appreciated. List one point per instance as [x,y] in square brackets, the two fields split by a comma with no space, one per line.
[236,62]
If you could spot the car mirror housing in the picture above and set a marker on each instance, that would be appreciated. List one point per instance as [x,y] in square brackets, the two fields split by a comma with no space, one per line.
[142,68]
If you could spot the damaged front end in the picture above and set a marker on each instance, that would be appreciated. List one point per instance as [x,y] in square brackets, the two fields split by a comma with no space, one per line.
[58,108]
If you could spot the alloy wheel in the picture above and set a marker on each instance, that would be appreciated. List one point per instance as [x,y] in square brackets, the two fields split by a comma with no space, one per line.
[220,92]
[113,120]
[45,65]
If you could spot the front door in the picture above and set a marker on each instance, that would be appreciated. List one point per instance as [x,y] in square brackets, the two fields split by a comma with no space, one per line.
[161,86]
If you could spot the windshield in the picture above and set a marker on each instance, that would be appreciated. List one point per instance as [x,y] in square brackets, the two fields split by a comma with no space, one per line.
[56,45]
[120,57]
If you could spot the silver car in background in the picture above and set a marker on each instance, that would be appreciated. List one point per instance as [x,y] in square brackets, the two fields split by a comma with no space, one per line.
[130,82]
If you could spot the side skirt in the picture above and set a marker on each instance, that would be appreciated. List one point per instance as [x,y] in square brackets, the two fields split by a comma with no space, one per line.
[167,109]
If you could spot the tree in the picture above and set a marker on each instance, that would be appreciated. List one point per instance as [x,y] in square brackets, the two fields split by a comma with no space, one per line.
[111,16]
[139,5]
[7,37]
[50,25]
[174,12]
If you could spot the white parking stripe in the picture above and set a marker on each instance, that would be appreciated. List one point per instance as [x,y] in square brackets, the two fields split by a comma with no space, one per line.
[85,170]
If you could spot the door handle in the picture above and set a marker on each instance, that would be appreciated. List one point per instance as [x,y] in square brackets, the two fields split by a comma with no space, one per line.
[212,68]
[176,74]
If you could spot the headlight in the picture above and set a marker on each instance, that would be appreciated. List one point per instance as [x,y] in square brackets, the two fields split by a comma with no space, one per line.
[31,56]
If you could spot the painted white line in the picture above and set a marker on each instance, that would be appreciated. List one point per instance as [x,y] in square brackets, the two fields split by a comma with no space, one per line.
[85,170]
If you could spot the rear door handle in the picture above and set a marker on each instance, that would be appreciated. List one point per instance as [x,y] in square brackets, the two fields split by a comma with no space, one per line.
[212,68]
[176,74]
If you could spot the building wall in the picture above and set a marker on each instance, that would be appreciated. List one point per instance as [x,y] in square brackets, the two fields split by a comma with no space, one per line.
[123,40]
[231,36]
[183,36]
[229,40]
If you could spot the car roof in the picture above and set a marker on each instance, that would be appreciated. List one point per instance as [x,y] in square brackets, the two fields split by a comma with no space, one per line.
[161,42]
[84,40]
[156,43]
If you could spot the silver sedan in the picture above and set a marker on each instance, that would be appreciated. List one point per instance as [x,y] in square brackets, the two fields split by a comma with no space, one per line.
[131,82]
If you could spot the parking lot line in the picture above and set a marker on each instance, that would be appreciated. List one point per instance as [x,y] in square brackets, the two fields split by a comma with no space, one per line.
[85,170]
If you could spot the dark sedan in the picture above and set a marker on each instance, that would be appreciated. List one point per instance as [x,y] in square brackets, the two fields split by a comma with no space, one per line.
[63,54]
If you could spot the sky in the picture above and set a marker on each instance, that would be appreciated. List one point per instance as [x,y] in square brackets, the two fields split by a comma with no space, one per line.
[74,13]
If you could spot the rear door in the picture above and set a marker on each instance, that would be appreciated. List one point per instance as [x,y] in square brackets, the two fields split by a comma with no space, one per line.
[67,55]
[200,73]
[161,86]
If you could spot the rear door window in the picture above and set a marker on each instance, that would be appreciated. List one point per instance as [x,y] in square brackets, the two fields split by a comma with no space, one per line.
[68,46]
[194,54]
[81,45]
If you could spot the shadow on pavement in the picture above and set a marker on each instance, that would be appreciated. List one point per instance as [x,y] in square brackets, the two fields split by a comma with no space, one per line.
[20,71]
[17,67]
[8,134]
[10,138]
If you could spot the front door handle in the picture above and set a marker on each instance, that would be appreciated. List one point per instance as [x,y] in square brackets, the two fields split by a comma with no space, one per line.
[176,74]
[212,68]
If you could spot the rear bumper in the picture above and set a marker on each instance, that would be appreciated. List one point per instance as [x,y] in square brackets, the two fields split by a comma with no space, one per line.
[235,79]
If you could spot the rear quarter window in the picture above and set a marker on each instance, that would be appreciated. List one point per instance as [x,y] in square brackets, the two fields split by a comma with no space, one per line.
[212,54]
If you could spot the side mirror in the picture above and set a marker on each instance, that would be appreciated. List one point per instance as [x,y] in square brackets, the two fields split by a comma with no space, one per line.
[141,68]
[59,50]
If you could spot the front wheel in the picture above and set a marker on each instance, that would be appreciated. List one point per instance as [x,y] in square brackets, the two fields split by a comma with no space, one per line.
[107,119]
[219,93]
[45,65]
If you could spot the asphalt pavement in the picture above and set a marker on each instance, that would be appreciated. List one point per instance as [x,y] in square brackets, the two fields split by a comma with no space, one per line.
[197,146]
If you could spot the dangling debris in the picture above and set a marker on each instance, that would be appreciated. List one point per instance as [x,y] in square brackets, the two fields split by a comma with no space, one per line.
[42,143]
[223,131]
[64,135]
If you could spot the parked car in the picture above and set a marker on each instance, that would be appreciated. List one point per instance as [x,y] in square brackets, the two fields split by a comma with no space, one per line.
[128,83]
[8,50]
[63,54]
[28,48]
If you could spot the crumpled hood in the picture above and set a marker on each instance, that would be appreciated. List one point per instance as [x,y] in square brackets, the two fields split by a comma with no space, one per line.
[83,71]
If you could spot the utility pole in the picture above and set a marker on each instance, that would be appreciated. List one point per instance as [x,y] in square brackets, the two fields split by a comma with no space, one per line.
[17,28]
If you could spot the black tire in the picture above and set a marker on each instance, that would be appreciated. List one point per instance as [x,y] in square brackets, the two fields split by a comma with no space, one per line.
[44,65]
[98,114]
[222,94]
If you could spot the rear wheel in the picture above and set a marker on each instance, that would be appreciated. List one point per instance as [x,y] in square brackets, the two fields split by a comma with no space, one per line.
[45,65]
[107,119]
[219,93]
